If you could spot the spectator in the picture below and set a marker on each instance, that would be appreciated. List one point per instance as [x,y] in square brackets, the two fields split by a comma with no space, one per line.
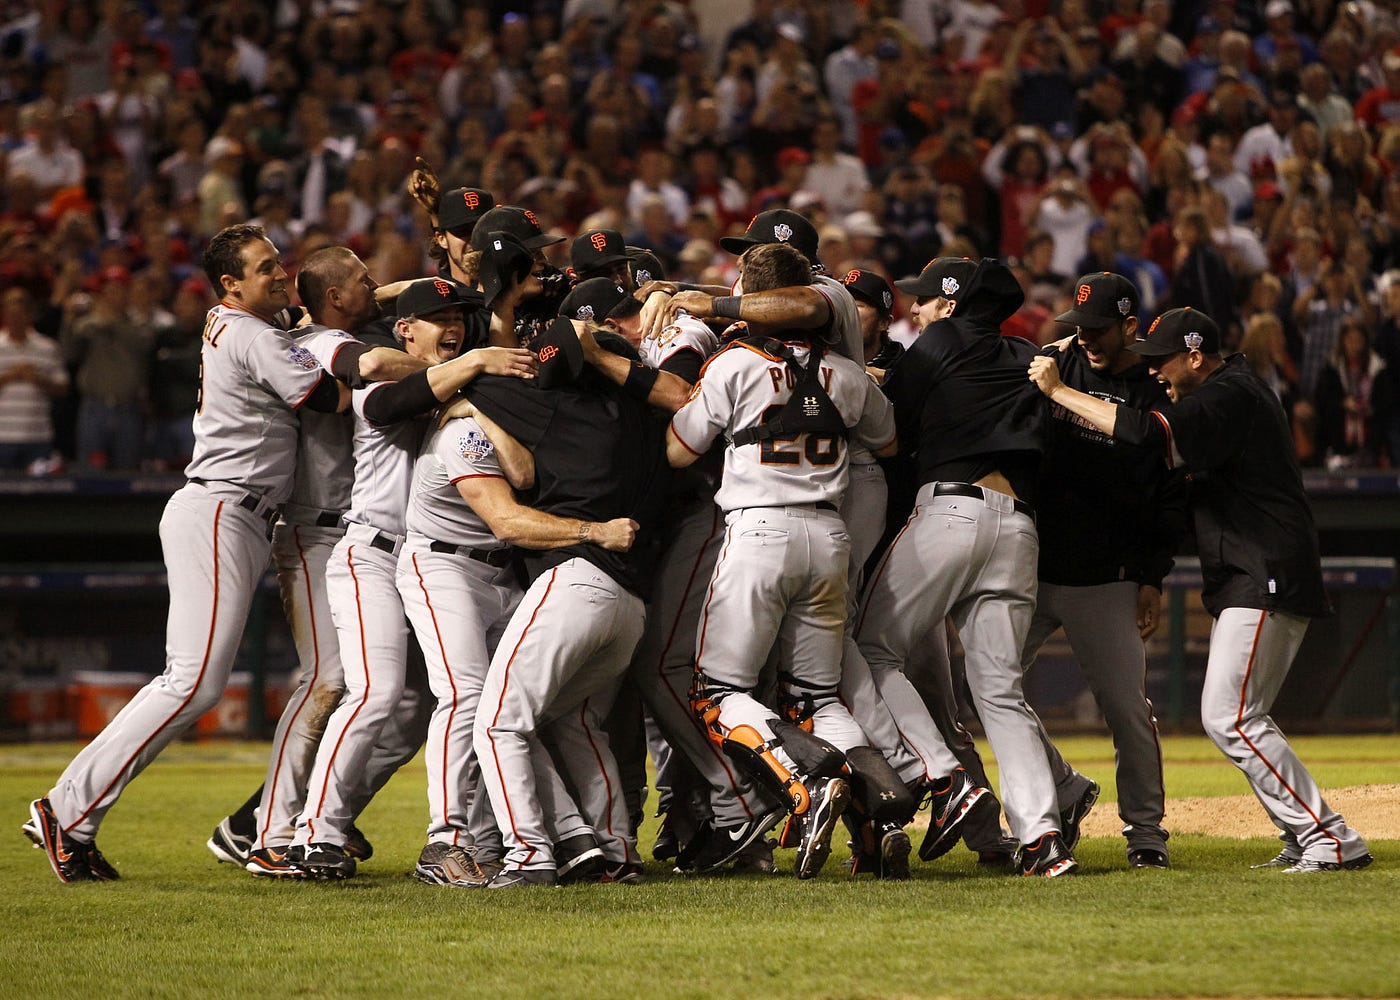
[845,67]
[31,376]
[1380,106]
[1319,99]
[110,352]
[1129,229]
[1386,343]
[1303,170]
[1045,67]
[1065,211]
[837,178]
[1279,36]
[1243,251]
[1320,311]
[1200,277]
[1354,400]
[1198,72]
[1223,176]
[174,375]
[46,158]
[787,64]
[1018,169]
[1262,148]
[221,190]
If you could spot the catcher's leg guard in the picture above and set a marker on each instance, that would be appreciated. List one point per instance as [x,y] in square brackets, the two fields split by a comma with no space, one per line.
[747,748]
[813,755]
[879,793]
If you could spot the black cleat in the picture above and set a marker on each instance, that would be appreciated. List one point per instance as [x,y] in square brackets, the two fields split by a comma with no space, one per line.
[949,809]
[716,846]
[450,865]
[579,859]
[229,845]
[68,856]
[522,878]
[1048,857]
[1148,857]
[1072,817]
[273,862]
[828,801]
[357,845]
[894,854]
[323,861]
[622,873]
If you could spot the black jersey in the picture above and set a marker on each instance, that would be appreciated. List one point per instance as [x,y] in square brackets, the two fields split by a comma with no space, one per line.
[599,454]
[961,397]
[1107,510]
[1254,528]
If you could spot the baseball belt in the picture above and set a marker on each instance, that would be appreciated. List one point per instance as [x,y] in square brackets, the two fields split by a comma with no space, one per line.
[492,557]
[976,493]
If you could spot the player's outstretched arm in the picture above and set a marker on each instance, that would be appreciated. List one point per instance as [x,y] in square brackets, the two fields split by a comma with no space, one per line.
[657,388]
[448,377]
[512,522]
[1045,373]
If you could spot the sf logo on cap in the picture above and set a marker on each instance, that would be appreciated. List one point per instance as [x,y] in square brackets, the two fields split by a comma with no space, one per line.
[472,199]
[531,216]
[548,352]
[599,241]
[851,276]
[1081,295]
[443,288]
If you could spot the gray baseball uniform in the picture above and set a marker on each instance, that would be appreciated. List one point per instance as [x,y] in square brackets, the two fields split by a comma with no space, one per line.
[214,534]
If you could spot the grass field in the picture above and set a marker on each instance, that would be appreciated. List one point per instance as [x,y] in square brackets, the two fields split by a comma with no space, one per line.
[180,925]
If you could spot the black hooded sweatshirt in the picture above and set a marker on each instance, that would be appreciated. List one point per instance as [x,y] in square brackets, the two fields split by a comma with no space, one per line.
[962,400]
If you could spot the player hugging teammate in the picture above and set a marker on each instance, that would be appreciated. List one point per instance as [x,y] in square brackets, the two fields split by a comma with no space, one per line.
[617,514]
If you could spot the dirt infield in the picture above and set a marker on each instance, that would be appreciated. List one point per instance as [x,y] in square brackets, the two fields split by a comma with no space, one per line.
[1374,810]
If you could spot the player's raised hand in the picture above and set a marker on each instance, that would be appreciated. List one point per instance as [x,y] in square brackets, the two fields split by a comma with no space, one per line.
[424,186]
[1045,373]
[655,313]
[616,535]
[506,361]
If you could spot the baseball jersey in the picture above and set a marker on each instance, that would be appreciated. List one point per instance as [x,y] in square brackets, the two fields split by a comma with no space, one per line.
[324,470]
[843,329]
[253,378]
[459,450]
[739,386]
[1254,528]
[383,465]
[680,348]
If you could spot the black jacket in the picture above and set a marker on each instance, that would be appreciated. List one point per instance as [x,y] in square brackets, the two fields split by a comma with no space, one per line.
[1108,510]
[1254,528]
[962,401]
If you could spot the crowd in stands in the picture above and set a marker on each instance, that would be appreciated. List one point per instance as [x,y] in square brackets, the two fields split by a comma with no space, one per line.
[1235,156]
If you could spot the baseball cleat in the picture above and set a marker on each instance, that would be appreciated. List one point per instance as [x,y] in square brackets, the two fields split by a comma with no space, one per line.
[718,845]
[448,864]
[756,858]
[1048,857]
[578,858]
[894,855]
[1002,855]
[323,861]
[228,845]
[71,859]
[521,878]
[949,809]
[357,845]
[828,801]
[1072,817]
[667,845]
[1148,857]
[272,862]
[1280,860]
[622,873]
[1307,866]
[31,830]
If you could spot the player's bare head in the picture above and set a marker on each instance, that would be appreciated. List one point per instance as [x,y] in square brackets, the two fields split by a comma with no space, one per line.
[774,265]
[243,266]
[334,279]
[224,255]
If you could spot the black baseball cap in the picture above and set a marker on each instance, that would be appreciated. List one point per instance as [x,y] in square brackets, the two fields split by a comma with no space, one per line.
[594,251]
[504,260]
[646,266]
[517,222]
[1100,300]
[461,207]
[430,295]
[1177,331]
[871,288]
[560,354]
[778,225]
[597,299]
[942,277]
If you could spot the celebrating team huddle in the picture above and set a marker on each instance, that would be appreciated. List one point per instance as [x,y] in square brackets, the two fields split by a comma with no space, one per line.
[538,524]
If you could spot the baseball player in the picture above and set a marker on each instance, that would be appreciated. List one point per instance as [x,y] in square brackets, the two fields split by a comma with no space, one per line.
[361,576]
[781,574]
[601,253]
[598,458]
[337,288]
[663,666]
[215,535]
[536,305]
[1111,519]
[1259,560]
[969,548]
